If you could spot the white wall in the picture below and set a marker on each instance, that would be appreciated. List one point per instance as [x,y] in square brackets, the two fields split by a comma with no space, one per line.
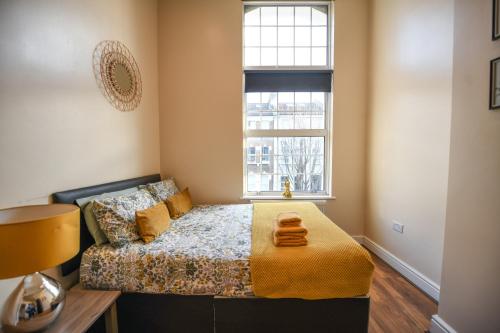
[470,289]
[409,128]
[57,131]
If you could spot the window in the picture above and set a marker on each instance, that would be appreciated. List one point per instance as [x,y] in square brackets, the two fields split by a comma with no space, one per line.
[252,157]
[287,109]
[265,157]
[286,35]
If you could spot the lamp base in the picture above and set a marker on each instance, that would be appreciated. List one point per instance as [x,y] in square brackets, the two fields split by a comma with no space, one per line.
[33,305]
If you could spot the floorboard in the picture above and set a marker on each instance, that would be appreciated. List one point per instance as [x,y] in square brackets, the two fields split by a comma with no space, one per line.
[396,304]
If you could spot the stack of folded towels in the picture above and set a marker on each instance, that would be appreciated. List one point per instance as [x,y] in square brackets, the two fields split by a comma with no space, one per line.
[289,230]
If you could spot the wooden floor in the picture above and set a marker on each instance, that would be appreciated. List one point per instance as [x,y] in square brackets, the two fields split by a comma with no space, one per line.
[397,305]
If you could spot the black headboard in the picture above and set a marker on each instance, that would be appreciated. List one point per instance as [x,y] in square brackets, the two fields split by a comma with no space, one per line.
[70,197]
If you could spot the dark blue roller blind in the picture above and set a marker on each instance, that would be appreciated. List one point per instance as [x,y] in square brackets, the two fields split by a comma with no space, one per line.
[284,80]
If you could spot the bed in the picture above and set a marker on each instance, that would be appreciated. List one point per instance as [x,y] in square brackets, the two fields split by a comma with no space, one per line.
[183,283]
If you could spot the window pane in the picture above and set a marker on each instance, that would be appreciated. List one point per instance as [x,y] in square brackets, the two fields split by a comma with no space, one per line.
[319,36]
[302,56]
[268,55]
[285,56]
[252,36]
[269,35]
[317,110]
[268,15]
[252,182]
[252,99]
[259,171]
[265,182]
[318,121]
[302,120]
[317,146]
[302,15]
[318,56]
[302,101]
[252,56]
[318,101]
[285,120]
[285,36]
[270,101]
[261,110]
[299,159]
[302,36]
[285,101]
[252,15]
[285,15]
[319,15]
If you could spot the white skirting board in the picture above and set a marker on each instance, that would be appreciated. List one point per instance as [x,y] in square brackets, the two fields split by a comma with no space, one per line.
[438,325]
[421,281]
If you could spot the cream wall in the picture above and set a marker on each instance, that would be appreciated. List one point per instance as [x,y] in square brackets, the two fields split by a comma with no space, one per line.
[470,293]
[409,128]
[57,131]
[201,102]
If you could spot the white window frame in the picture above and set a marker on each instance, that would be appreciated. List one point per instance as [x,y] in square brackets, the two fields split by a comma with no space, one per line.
[326,133]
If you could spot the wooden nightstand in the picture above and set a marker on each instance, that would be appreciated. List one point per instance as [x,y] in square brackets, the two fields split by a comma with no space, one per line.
[83,307]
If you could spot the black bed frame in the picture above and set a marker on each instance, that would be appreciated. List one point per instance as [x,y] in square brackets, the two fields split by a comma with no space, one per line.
[176,313]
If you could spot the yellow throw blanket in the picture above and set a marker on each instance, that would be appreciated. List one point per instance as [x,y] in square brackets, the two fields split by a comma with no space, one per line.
[332,265]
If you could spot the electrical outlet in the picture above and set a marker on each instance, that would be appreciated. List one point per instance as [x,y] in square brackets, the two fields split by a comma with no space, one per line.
[396,226]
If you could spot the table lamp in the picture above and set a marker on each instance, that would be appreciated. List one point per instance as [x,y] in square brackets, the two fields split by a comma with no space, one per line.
[34,238]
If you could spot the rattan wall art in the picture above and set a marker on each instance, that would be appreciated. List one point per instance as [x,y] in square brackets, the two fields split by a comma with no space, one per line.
[117,75]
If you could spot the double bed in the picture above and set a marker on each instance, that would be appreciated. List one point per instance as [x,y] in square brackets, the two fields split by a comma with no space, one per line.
[197,277]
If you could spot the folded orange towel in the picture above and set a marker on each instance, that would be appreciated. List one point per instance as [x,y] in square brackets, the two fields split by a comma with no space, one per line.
[289,219]
[299,230]
[279,241]
[289,236]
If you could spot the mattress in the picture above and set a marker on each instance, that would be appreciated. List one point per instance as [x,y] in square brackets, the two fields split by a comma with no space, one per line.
[205,252]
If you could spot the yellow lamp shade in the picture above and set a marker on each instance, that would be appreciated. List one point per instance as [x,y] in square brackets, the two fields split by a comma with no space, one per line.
[34,238]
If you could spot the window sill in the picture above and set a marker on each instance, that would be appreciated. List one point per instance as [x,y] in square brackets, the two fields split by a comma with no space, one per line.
[280,198]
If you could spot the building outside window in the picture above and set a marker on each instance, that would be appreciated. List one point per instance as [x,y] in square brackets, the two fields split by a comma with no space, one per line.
[252,157]
[287,110]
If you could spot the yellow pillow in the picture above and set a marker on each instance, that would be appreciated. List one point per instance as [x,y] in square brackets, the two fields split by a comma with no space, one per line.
[179,204]
[152,222]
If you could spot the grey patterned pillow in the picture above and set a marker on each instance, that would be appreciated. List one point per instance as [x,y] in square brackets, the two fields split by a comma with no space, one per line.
[116,216]
[163,190]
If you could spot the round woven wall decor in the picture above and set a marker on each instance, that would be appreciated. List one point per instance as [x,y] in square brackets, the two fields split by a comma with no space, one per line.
[117,75]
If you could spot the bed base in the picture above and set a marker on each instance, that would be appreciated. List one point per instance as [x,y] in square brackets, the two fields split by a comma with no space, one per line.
[176,314]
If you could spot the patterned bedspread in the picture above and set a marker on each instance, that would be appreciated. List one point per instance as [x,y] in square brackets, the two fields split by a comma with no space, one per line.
[205,252]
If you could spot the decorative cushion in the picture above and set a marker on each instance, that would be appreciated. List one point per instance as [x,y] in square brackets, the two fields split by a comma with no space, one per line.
[179,204]
[152,222]
[161,191]
[116,216]
[86,205]
[92,224]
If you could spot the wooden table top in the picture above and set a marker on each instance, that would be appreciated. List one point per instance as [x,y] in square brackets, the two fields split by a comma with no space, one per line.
[83,307]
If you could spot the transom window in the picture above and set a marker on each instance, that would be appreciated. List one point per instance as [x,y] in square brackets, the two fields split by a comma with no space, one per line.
[285,35]
[287,107]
